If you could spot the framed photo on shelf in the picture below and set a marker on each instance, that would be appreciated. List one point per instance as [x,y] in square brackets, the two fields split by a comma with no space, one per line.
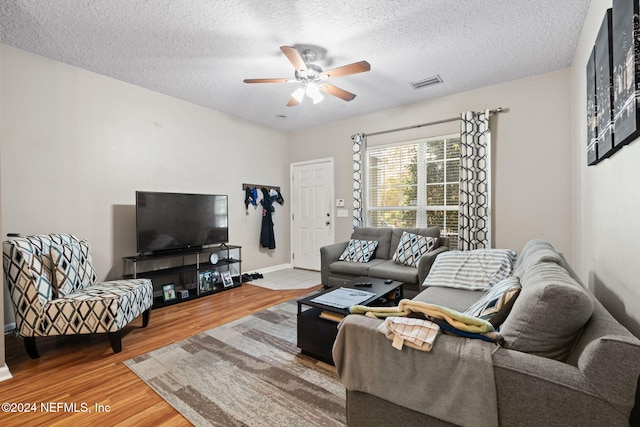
[226,279]
[208,280]
[168,292]
[205,282]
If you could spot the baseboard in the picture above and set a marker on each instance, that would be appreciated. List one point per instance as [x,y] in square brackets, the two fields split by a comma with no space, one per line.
[4,373]
[10,327]
[274,268]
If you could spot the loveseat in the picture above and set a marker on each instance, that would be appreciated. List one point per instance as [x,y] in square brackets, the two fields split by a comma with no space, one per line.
[336,272]
[560,358]
[53,290]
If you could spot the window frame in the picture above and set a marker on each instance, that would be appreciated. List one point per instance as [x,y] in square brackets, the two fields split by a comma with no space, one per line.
[422,185]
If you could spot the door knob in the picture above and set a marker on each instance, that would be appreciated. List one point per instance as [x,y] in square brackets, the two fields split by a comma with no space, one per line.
[327,223]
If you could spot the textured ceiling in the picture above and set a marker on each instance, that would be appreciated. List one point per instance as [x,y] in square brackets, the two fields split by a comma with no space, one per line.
[201,50]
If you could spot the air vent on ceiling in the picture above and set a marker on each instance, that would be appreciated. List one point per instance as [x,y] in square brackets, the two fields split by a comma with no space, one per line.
[426,82]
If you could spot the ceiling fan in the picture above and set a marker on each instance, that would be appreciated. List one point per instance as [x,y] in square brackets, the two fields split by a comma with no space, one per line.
[312,77]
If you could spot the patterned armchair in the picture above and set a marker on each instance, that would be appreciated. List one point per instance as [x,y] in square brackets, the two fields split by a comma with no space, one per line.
[52,286]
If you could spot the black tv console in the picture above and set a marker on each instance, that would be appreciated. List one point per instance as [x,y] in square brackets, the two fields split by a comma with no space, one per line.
[187,274]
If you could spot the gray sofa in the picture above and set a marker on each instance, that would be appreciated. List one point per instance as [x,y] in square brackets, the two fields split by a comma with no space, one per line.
[564,360]
[336,273]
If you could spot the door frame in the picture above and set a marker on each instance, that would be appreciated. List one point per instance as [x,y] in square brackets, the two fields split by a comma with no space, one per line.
[332,196]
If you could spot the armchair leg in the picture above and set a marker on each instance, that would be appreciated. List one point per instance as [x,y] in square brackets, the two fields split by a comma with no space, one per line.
[30,346]
[145,318]
[115,338]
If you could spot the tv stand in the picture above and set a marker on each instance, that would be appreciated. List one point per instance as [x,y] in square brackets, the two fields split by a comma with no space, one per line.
[179,276]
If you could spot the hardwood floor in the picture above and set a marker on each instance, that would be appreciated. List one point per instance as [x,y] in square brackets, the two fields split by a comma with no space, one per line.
[83,370]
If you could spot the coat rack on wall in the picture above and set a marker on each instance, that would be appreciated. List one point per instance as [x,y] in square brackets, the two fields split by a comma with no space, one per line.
[254,191]
[259,186]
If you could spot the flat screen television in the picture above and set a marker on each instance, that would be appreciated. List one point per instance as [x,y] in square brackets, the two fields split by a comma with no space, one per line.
[177,221]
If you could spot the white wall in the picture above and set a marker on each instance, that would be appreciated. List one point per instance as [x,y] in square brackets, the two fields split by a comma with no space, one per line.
[77,145]
[607,202]
[531,148]
[4,369]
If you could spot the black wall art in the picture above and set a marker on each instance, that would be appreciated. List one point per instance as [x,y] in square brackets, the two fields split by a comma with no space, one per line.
[592,118]
[626,70]
[613,82]
[604,86]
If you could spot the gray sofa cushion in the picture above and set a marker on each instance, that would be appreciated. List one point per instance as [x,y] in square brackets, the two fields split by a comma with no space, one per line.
[524,252]
[353,268]
[549,313]
[535,252]
[457,299]
[391,270]
[380,234]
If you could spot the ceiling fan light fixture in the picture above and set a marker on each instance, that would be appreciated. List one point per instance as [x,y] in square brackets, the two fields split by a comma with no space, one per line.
[298,94]
[317,98]
[312,90]
[310,76]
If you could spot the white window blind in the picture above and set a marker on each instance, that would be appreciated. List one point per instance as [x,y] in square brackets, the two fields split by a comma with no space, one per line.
[415,184]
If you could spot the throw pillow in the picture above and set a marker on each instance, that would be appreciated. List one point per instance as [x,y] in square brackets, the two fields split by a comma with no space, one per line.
[475,270]
[496,304]
[88,274]
[72,267]
[411,248]
[549,314]
[359,250]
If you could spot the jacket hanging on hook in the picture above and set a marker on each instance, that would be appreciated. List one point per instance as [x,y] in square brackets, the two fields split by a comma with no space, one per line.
[276,196]
[267,235]
[248,198]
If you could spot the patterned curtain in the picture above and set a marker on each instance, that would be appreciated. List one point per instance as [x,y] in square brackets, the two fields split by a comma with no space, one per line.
[359,146]
[474,220]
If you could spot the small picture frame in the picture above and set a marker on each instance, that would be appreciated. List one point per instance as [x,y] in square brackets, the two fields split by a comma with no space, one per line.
[226,279]
[205,283]
[209,280]
[169,292]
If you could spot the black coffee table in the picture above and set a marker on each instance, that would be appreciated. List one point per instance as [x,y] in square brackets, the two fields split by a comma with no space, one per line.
[317,324]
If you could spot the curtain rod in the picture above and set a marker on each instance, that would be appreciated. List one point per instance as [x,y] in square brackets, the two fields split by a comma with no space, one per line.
[451,119]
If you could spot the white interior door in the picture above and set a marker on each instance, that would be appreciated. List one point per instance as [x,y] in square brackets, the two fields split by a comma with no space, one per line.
[312,216]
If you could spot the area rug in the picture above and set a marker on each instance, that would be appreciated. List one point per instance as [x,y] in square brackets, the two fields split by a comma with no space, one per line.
[245,373]
[288,279]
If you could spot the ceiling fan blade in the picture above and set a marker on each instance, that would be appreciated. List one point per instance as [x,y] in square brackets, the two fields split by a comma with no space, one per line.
[266,80]
[345,70]
[292,102]
[336,91]
[296,60]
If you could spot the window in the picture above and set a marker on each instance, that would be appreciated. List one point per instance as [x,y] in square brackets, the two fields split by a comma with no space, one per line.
[415,184]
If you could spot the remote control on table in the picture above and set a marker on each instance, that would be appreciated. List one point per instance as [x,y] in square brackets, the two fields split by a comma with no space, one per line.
[363,285]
